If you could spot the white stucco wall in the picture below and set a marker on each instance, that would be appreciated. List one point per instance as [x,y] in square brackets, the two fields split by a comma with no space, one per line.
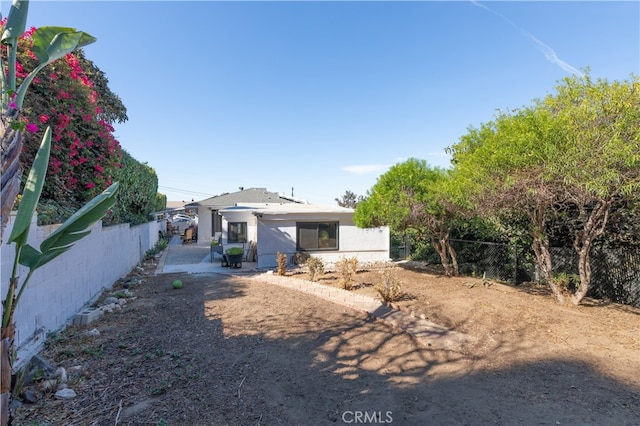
[278,234]
[275,237]
[63,287]
[204,224]
[239,216]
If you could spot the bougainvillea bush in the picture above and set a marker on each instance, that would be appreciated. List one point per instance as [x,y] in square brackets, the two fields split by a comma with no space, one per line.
[72,96]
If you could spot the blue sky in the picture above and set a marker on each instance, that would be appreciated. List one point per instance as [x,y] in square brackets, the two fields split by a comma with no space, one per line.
[323,97]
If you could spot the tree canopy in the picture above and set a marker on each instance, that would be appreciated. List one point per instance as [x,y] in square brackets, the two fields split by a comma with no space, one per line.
[571,155]
[411,195]
[138,194]
[349,199]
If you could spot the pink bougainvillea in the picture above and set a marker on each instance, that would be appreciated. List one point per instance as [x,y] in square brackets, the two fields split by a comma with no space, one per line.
[84,150]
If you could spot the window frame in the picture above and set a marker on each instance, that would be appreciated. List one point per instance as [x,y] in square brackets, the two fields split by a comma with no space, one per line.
[308,226]
[243,228]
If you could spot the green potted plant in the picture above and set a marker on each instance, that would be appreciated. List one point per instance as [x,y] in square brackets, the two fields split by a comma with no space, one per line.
[234,255]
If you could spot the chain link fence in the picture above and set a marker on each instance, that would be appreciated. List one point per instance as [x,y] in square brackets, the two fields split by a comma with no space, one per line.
[495,261]
[615,271]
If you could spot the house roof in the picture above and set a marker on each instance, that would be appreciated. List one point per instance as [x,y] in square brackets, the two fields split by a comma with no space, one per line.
[287,208]
[174,205]
[250,195]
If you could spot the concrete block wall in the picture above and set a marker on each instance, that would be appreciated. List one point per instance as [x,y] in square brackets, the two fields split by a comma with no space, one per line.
[67,284]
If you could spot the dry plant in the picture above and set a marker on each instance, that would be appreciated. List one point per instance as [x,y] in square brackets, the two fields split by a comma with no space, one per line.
[316,267]
[390,287]
[566,283]
[300,257]
[347,268]
[281,258]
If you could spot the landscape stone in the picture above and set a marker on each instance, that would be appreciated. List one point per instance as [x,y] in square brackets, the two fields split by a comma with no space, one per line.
[31,396]
[61,374]
[65,394]
[110,300]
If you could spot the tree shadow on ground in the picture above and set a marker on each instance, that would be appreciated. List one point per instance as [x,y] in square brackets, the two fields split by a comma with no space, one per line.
[238,352]
[294,364]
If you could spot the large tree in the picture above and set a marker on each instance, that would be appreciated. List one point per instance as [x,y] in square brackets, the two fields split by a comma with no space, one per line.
[568,158]
[349,199]
[411,196]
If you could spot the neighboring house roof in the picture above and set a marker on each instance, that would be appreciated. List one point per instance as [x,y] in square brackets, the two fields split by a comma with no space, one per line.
[175,205]
[172,207]
[251,195]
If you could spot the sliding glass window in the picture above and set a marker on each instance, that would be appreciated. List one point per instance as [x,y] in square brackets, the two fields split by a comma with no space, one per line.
[313,236]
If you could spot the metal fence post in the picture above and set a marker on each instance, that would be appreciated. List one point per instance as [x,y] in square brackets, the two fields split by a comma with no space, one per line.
[515,264]
[407,246]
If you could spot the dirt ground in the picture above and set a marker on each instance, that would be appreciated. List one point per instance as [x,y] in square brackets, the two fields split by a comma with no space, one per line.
[232,351]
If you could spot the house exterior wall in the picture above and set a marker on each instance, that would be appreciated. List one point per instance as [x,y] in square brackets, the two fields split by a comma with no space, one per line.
[239,216]
[275,237]
[204,224]
[278,234]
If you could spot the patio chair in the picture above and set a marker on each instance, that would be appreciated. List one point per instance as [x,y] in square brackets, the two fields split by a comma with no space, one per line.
[188,235]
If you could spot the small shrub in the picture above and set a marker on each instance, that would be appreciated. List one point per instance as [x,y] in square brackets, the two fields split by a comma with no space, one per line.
[347,268]
[300,257]
[567,283]
[389,287]
[95,352]
[281,258]
[316,267]
[161,244]
[123,294]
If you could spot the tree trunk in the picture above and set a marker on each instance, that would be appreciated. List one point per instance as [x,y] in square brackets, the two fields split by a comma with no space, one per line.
[454,259]
[441,249]
[6,371]
[593,226]
[584,270]
[544,262]
[445,251]
[10,174]
[10,149]
[7,339]
[540,247]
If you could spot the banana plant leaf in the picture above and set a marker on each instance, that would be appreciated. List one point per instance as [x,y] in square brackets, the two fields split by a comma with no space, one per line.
[13,29]
[16,23]
[32,191]
[72,230]
[50,44]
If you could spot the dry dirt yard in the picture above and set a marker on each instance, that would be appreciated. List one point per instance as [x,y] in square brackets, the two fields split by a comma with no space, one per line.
[232,351]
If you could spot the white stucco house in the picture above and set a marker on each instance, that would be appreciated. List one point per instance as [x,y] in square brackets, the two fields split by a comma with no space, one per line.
[265,223]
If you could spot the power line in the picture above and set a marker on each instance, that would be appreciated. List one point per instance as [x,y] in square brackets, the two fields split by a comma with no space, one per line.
[185,191]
